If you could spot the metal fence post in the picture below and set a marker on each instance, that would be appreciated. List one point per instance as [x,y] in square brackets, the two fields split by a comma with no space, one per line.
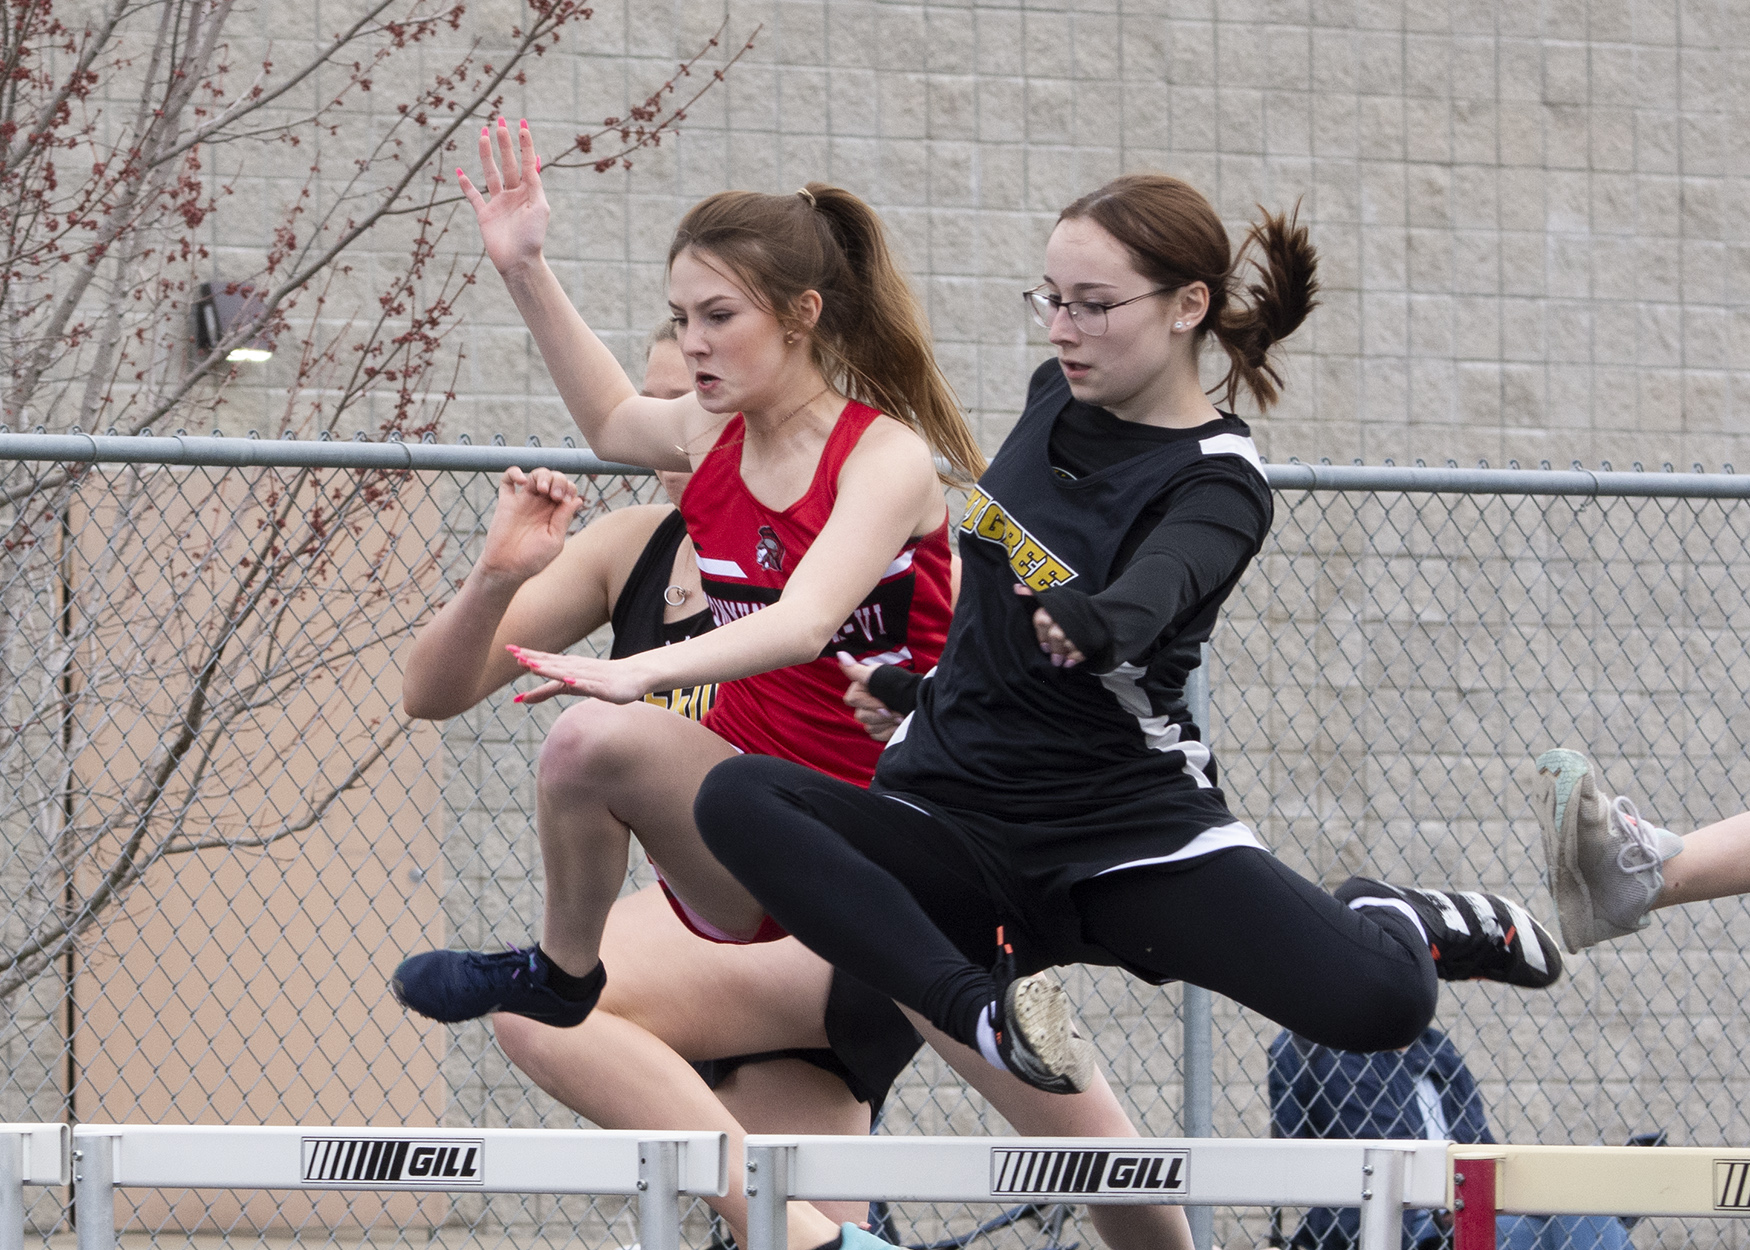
[768,1192]
[1197,1118]
[11,1191]
[94,1191]
[659,1192]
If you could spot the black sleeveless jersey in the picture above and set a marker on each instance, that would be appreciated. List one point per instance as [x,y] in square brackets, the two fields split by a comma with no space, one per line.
[638,623]
[998,730]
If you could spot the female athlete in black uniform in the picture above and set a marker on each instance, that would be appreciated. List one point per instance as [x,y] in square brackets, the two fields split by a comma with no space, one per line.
[1049,791]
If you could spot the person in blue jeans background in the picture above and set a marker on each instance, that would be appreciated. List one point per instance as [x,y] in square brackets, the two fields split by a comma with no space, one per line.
[1422,1091]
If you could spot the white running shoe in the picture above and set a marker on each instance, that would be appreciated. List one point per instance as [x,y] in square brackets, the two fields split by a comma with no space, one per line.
[1602,856]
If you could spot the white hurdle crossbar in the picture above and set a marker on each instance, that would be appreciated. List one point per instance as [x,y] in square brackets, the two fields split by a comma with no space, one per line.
[30,1154]
[1382,1178]
[657,1167]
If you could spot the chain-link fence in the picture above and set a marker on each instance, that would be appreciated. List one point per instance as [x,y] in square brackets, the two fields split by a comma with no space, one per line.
[221,833]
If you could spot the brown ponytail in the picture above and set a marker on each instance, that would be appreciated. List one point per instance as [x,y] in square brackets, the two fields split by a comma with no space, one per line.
[1174,238]
[872,340]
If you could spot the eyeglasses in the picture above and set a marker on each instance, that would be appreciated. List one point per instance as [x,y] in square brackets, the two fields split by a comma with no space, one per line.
[1089,316]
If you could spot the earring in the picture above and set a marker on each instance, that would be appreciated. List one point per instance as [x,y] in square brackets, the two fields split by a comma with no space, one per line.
[789,340]
[1178,325]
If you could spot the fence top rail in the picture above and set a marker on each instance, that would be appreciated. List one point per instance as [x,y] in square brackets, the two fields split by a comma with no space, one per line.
[495,457]
[216,452]
[438,1160]
[1455,481]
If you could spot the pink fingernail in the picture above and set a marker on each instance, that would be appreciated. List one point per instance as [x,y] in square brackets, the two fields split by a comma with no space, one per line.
[518,699]
[525,123]
[459,172]
[537,164]
[483,132]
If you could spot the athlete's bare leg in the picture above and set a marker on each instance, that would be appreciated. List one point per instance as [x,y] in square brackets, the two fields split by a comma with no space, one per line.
[1092,1113]
[605,768]
[1714,863]
[672,997]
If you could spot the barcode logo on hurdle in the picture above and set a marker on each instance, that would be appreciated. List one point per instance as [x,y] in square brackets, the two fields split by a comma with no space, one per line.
[446,1162]
[1732,1184]
[1048,1173]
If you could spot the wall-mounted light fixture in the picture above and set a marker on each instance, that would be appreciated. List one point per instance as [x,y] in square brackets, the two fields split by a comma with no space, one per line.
[222,306]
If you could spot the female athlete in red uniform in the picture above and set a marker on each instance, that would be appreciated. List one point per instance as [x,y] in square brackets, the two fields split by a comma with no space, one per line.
[819,526]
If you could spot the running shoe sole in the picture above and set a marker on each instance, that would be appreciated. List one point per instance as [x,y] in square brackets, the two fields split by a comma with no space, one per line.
[1554,793]
[1060,1060]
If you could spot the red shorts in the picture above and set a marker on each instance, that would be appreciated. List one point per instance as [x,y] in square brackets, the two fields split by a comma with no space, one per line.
[769,931]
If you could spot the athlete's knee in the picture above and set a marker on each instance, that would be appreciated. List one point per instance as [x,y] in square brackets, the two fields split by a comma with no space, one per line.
[517,1037]
[729,808]
[1382,1012]
[585,746]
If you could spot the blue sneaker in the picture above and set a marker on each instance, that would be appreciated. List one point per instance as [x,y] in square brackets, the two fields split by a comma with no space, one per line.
[452,986]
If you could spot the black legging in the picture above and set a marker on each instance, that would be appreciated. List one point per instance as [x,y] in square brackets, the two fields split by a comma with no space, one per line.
[885,891]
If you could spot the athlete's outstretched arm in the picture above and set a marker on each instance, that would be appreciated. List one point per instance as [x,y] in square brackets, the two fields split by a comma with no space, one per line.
[531,585]
[617,422]
[888,493]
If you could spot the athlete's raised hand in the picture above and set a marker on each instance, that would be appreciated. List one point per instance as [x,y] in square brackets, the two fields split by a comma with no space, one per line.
[513,223]
[1052,640]
[529,525]
[612,681]
[877,719]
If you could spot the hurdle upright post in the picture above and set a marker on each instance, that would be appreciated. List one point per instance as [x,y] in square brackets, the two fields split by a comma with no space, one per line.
[768,1197]
[1382,1198]
[1197,1013]
[11,1191]
[94,1190]
[659,1192]
[1474,1201]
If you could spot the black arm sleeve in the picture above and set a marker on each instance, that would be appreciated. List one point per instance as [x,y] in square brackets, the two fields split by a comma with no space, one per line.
[895,686]
[1214,523]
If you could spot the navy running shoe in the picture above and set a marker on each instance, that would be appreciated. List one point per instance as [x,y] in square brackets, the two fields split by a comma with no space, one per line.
[1472,936]
[452,986]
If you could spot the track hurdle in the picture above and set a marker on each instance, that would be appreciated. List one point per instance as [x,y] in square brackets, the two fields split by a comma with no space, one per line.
[657,1167]
[1591,1180]
[30,1154]
[1380,1177]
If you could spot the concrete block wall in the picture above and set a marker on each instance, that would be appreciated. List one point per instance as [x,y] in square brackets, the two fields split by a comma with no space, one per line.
[1531,216]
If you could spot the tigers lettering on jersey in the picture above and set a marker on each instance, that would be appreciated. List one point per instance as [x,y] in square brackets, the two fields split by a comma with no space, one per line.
[691,702]
[1031,560]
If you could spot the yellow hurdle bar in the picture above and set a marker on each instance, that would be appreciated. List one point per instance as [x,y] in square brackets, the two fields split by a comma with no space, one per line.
[1610,1180]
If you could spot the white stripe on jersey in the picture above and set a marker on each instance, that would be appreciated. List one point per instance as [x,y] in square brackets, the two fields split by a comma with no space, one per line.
[1233,445]
[902,563]
[888,657]
[719,568]
[1159,733]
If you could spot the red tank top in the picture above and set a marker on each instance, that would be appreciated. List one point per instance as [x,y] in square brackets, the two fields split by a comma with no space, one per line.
[746,553]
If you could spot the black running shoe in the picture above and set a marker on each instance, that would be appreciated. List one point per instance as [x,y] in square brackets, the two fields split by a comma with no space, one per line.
[1036,1035]
[452,986]
[1472,936]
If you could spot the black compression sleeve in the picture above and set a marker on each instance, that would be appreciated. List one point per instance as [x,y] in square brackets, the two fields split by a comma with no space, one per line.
[895,686]
[1208,532]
